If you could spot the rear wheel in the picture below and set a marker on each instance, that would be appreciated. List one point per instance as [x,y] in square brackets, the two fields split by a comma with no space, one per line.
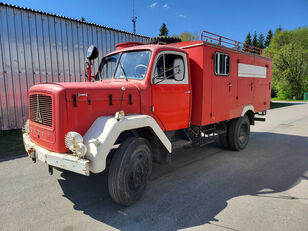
[129,171]
[223,140]
[238,134]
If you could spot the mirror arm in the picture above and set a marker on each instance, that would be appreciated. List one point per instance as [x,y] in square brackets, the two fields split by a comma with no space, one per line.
[88,72]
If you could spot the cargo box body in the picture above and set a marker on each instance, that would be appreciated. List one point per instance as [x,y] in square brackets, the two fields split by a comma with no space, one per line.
[218,97]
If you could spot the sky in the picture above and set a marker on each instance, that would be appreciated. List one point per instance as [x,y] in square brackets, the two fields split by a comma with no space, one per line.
[232,19]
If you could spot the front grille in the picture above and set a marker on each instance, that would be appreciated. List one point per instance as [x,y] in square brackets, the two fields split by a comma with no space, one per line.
[41,109]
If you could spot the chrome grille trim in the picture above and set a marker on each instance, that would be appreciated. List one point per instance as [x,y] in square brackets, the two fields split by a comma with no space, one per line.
[41,109]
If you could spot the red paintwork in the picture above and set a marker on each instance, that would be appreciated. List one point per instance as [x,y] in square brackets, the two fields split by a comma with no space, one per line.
[211,99]
[120,46]
[174,112]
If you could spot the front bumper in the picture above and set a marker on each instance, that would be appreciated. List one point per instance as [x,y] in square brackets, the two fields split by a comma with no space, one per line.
[61,160]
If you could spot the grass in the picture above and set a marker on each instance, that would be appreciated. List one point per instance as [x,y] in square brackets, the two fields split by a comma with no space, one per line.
[11,143]
[290,100]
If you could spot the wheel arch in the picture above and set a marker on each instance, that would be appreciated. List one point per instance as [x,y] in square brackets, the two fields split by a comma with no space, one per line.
[249,111]
[106,134]
[159,150]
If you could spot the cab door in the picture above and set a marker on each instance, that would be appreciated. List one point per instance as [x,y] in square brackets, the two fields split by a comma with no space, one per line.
[171,91]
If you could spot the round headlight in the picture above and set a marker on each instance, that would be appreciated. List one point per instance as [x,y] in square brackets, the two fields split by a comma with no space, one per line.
[80,150]
[72,139]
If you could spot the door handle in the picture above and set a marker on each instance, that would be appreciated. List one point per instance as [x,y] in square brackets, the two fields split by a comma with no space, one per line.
[229,84]
[187,92]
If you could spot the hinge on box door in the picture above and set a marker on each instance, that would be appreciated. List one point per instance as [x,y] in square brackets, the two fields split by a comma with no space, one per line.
[152,108]
[211,114]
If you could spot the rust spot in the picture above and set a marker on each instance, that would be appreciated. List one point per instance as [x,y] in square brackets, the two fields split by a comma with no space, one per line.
[31,152]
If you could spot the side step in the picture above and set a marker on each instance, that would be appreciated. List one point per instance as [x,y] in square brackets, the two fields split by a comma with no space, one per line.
[181,144]
[259,119]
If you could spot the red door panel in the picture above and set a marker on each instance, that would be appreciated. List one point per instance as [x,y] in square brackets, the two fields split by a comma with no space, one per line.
[171,105]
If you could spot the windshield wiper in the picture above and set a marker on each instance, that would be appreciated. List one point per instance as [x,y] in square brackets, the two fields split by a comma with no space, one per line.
[122,69]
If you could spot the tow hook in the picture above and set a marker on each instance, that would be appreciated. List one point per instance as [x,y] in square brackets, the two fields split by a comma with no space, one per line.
[50,169]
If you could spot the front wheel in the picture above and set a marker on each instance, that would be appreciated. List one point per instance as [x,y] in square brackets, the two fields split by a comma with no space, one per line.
[129,171]
[238,134]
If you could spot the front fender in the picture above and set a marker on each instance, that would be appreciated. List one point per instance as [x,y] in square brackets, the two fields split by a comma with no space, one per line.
[105,130]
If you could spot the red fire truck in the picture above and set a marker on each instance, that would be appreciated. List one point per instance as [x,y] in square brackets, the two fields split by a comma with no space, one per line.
[145,101]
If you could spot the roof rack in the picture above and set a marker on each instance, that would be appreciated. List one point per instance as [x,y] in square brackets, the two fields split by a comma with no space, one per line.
[223,41]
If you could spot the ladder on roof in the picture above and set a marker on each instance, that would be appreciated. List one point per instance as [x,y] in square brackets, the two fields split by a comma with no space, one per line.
[223,41]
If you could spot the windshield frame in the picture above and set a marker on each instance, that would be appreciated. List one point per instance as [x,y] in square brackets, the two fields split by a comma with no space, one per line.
[131,51]
[119,58]
[100,67]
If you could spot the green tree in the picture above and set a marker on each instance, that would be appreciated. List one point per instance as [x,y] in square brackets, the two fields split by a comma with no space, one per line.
[163,30]
[260,43]
[289,52]
[187,36]
[247,41]
[254,42]
[82,19]
[279,29]
[268,38]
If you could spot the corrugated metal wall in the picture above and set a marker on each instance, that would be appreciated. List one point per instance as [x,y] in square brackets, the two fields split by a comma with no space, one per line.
[36,47]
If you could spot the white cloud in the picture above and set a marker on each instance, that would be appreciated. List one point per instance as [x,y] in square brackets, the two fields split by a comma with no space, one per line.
[153,4]
[166,6]
[181,16]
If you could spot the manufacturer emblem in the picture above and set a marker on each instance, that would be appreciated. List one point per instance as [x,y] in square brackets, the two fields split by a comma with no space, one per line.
[38,117]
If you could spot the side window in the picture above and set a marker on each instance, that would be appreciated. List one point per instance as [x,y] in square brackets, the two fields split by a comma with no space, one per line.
[169,67]
[159,69]
[221,64]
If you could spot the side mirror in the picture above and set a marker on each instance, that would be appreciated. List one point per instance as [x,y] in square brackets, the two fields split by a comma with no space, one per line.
[178,70]
[92,53]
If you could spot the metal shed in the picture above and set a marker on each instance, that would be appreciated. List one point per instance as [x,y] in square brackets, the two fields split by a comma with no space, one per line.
[38,47]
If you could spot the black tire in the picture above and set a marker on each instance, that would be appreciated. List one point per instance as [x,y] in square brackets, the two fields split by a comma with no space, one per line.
[223,140]
[129,171]
[239,132]
[163,39]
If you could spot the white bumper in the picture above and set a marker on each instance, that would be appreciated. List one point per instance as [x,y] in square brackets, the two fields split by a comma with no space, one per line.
[60,160]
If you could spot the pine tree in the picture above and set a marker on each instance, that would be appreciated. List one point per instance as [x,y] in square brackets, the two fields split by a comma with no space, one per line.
[268,38]
[254,42]
[260,41]
[247,41]
[278,29]
[163,30]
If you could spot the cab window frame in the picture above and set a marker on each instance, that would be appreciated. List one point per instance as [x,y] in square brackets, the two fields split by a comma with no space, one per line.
[183,55]
[215,62]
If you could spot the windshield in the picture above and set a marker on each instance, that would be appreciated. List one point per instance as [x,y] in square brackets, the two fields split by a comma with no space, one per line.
[133,65]
[107,66]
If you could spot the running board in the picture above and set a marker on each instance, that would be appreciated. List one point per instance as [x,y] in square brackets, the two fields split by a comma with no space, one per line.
[259,119]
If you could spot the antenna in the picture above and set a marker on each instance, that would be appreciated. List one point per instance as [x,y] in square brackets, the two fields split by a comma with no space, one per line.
[134,18]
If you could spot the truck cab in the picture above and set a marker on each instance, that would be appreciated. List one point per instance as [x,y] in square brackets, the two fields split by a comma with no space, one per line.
[144,102]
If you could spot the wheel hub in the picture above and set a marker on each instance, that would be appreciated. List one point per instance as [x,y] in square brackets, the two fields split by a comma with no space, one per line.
[138,173]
